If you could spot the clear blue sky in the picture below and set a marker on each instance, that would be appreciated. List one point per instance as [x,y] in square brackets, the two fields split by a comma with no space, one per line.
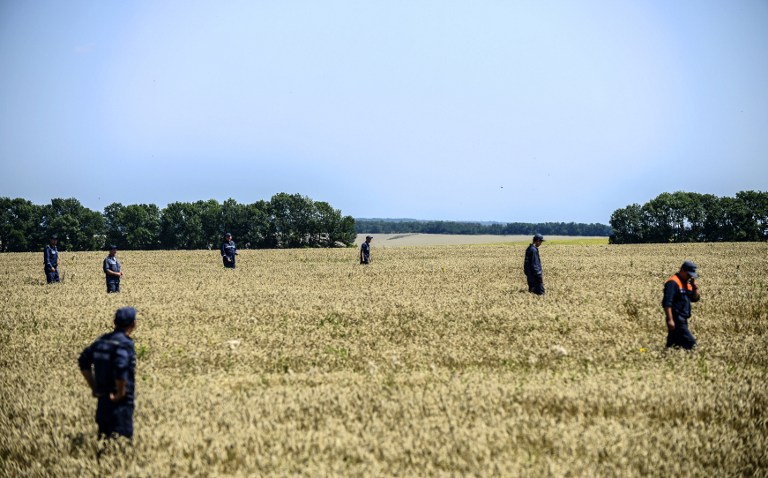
[527,111]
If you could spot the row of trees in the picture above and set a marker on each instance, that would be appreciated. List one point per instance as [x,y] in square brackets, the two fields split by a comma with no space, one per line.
[693,217]
[383,226]
[285,221]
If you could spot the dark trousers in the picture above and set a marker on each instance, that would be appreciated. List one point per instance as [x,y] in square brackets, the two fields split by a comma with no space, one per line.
[51,276]
[114,418]
[113,285]
[535,285]
[681,336]
[229,262]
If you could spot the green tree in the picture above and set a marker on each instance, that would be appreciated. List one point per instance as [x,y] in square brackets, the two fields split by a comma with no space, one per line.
[78,227]
[292,217]
[19,225]
[663,218]
[331,228]
[261,230]
[695,214]
[628,225]
[714,218]
[114,228]
[234,219]
[136,226]
[249,224]
[181,227]
[688,217]
[734,220]
[211,221]
[288,220]
[142,222]
[753,216]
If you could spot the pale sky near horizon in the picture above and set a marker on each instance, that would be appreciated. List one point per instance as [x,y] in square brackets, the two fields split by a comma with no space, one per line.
[518,111]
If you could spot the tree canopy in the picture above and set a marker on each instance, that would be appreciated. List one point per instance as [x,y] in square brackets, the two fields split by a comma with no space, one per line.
[285,221]
[693,217]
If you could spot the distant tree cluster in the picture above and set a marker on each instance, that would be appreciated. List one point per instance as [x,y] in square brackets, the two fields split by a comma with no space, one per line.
[285,221]
[693,217]
[384,226]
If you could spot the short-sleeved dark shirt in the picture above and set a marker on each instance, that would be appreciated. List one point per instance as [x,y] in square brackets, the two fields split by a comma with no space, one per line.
[51,257]
[111,357]
[112,264]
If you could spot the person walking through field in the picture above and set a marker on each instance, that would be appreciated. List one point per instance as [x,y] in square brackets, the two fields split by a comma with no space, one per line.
[532,266]
[109,368]
[365,250]
[679,291]
[228,251]
[112,271]
[51,260]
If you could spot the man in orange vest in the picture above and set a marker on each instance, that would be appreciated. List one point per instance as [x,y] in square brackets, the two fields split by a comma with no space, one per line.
[679,291]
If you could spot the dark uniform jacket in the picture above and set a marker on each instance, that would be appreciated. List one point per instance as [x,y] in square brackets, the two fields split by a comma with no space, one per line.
[532,263]
[365,253]
[678,296]
[50,258]
[111,357]
[229,249]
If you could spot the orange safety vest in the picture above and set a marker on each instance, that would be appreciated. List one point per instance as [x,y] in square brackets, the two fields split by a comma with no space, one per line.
[679,283]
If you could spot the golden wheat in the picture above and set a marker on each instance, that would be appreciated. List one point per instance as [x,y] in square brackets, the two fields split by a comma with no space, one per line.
[430,361]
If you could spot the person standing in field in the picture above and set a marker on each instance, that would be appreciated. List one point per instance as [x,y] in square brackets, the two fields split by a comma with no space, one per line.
[228,251]
[679,291]
[112,270]
[109,367]
[532,266]
[51,260]
[365,250]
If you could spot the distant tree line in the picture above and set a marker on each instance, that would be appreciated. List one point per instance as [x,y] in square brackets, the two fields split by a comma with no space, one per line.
[384,226]
[693,217]
[285,221]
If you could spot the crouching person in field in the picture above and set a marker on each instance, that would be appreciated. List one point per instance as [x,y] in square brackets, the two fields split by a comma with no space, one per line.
[109,367]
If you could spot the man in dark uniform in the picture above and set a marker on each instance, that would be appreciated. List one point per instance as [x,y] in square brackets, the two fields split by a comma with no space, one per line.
[532,266]
[109,367]
[51,260]
[228,251]
[365,250]
[679,291]
[112,270]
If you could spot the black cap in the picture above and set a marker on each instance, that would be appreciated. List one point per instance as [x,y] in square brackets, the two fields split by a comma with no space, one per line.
[125,316]
[690,267]
[228,234]
[54,237]
[112,247]
[538,237]
[369,237]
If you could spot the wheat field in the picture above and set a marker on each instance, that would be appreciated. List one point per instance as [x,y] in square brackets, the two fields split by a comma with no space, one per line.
[432,361]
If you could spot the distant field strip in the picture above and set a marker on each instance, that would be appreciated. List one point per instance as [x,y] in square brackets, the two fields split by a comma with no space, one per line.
[401,240]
